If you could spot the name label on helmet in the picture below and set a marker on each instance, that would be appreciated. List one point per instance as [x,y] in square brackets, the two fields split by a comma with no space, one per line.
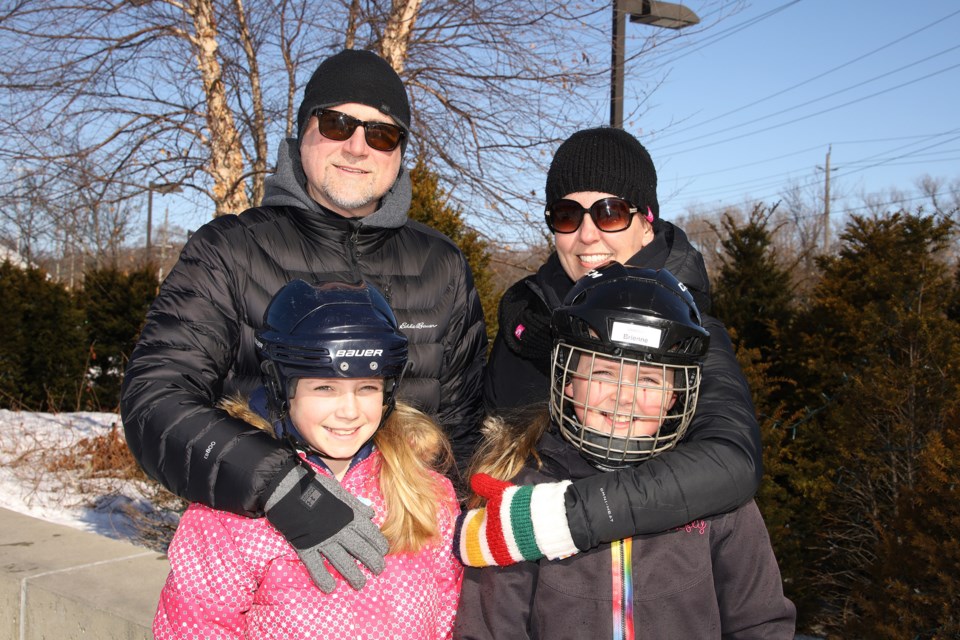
[359,353]
[636,334]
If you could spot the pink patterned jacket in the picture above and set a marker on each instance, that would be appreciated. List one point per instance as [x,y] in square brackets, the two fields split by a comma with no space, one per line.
[237,577]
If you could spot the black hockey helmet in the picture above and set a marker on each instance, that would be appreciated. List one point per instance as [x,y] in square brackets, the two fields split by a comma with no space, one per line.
[642,321]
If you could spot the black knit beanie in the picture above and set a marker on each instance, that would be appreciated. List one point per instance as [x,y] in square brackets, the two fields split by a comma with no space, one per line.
[608,160]
[355,75]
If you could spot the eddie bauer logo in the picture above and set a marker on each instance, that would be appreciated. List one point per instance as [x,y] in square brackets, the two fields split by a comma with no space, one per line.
[418,325]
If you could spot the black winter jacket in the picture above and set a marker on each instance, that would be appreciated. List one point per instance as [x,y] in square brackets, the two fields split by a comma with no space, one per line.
[717,467]
[197,344]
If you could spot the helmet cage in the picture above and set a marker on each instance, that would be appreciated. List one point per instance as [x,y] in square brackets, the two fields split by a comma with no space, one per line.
[628,317]
[605,449]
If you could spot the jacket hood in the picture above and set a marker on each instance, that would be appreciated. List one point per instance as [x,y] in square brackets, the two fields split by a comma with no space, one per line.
[286,187]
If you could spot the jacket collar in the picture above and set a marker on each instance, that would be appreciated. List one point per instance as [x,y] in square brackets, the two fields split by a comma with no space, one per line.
[561,458]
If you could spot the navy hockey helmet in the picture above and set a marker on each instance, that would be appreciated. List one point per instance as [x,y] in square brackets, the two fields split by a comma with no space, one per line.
[329,330]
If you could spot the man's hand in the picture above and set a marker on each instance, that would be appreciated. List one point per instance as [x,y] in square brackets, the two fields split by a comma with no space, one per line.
[322,520]
[520,522]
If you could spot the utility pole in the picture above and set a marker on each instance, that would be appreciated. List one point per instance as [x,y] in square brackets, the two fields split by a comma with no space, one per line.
[161,188]
[826,203]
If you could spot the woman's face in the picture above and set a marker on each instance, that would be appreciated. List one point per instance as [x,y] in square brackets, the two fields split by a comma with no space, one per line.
[619,399]
[588,248]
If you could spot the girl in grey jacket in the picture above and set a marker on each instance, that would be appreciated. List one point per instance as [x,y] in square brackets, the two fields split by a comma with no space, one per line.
[625,378]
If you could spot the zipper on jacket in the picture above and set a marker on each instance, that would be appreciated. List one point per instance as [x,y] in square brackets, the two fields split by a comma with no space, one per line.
[622,574]
[353,250]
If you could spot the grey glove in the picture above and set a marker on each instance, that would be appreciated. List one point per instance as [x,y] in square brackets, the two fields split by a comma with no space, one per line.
[322,520]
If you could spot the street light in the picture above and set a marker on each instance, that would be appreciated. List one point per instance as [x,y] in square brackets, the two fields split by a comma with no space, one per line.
[161,188]
[667,15]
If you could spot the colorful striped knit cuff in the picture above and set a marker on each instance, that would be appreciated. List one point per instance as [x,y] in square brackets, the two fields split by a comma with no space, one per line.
[548,512]
[532,524]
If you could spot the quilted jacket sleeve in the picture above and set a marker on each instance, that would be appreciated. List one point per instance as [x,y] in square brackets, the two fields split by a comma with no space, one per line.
[517,373]
[209,588]
[176,375]
[715,469]
[511,381]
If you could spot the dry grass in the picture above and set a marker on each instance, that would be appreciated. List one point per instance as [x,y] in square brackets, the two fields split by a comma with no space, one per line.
[100,474]
[106,459]
[103,456]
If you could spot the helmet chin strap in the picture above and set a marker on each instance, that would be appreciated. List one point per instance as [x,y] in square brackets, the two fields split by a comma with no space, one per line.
[299,444]
[390,402]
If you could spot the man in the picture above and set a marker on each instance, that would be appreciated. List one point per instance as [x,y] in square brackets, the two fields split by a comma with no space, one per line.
[335,209]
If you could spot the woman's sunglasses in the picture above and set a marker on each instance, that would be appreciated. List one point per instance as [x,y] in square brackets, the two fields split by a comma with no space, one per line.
[609,214]
[339,126]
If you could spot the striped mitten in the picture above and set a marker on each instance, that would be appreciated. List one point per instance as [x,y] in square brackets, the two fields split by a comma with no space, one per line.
[520,522]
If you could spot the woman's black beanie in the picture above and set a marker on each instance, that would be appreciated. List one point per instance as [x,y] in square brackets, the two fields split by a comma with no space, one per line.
[608,160]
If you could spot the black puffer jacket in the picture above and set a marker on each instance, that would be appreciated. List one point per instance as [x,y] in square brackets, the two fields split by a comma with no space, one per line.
[197,345]
[718,466]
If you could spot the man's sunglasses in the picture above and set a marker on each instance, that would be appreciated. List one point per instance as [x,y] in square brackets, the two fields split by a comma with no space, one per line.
[609,214]
[339,126]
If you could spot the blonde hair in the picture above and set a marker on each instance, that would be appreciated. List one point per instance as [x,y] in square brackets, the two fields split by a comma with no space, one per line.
[412,446]
[509,441]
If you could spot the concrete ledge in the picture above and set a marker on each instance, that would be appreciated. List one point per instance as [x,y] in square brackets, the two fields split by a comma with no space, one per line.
[59,582]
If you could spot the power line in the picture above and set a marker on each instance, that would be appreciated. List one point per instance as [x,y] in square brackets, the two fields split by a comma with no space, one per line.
[906,155]
[767,160]
[810,115]
[814,78]
[939,147]
[846,168]
[714,37]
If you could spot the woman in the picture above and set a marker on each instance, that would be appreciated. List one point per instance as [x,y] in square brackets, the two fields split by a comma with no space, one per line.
[601,205]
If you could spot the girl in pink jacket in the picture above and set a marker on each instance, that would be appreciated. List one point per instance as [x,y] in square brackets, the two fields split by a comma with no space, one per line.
[333,358]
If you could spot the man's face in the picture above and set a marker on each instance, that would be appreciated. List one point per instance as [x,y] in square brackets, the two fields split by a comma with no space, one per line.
[348,177]
[588,248]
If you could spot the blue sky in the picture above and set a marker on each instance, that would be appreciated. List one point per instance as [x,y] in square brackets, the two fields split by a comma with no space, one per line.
[755,103]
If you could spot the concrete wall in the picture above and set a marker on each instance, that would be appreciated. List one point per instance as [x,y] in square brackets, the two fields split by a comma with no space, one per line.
[58,582]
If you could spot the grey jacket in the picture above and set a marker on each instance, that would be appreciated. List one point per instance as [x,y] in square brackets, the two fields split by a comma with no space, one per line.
[711,578]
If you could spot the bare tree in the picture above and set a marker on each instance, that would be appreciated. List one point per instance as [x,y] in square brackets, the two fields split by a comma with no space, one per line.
[943,196]
[191,92]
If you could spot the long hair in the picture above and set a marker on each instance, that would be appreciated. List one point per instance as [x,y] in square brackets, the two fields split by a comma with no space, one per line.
[509,442]
[411,446]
